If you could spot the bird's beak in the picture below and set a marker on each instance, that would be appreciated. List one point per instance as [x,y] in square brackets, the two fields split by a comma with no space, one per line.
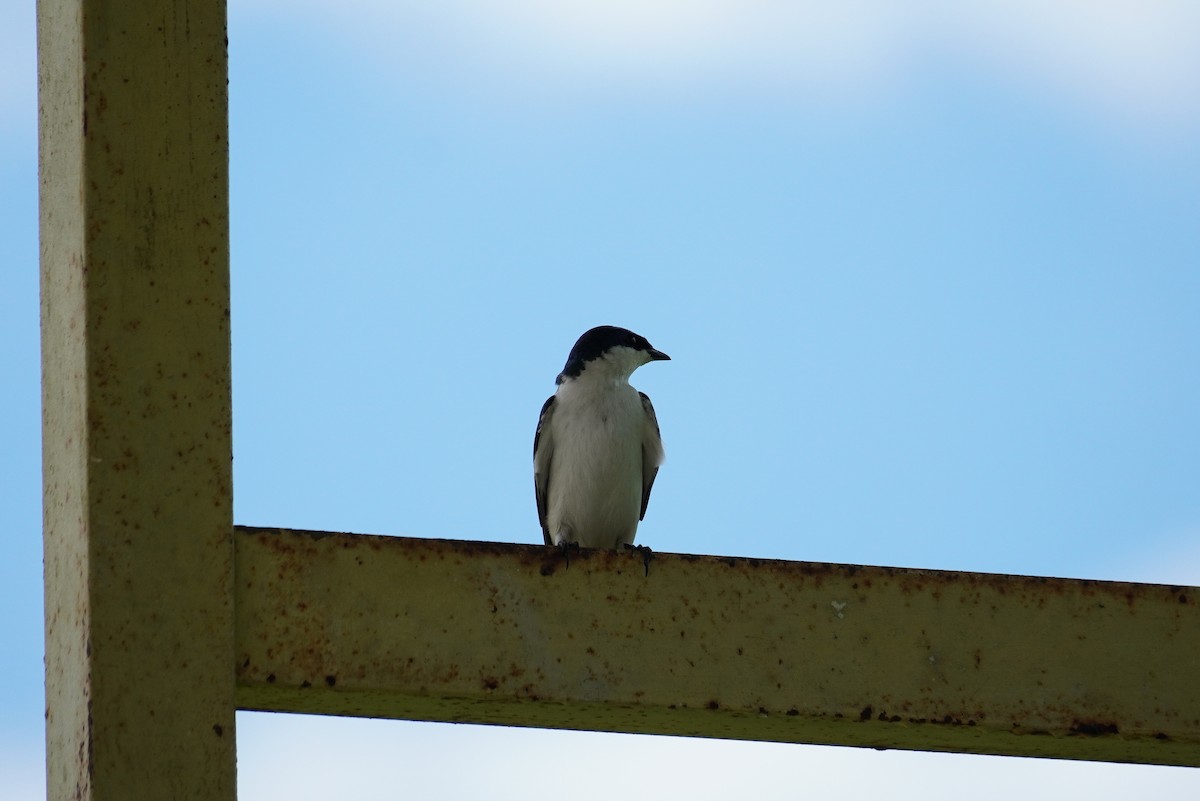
[658,355]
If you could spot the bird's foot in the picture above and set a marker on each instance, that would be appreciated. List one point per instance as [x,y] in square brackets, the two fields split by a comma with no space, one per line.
[565,548]
[646,553]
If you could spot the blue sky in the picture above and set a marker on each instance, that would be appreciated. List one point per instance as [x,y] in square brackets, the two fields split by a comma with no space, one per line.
[929,277]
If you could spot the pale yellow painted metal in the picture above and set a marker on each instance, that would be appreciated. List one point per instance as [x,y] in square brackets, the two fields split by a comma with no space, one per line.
[717,647]
[137,456]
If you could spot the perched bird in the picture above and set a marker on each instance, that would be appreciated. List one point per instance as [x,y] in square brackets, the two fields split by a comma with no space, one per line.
[597,447]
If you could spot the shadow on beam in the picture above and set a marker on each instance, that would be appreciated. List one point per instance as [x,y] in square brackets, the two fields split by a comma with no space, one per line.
[704,646]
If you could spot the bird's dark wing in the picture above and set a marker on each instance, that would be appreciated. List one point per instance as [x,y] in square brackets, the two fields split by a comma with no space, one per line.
[543,450]
[652,451]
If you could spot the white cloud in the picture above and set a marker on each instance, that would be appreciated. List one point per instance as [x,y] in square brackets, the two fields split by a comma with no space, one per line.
[22,768]
[1130,58]
[297,758]
[1136,59]
[1173,558]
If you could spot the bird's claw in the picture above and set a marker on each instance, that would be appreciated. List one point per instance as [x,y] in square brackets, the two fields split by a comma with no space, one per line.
[646,553]
[565,549]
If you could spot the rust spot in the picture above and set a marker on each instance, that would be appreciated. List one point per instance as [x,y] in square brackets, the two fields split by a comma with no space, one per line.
[1092,728]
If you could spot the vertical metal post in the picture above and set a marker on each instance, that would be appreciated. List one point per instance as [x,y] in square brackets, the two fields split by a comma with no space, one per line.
[133,166]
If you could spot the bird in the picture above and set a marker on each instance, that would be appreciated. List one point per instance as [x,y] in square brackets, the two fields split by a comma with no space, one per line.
[597,448]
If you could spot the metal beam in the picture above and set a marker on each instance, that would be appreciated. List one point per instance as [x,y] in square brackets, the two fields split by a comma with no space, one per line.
[707,646]
[133,170]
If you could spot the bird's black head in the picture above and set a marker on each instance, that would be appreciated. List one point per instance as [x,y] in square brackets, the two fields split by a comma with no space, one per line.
[601,340]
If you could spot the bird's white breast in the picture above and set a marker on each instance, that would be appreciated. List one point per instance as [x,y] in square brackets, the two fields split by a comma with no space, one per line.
[595,485]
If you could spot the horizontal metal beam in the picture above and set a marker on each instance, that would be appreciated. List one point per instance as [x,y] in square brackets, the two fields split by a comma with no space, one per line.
[717,647]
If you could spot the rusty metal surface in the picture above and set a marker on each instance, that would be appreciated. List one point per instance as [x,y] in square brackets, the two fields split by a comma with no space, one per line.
[717,647]
[136,400]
